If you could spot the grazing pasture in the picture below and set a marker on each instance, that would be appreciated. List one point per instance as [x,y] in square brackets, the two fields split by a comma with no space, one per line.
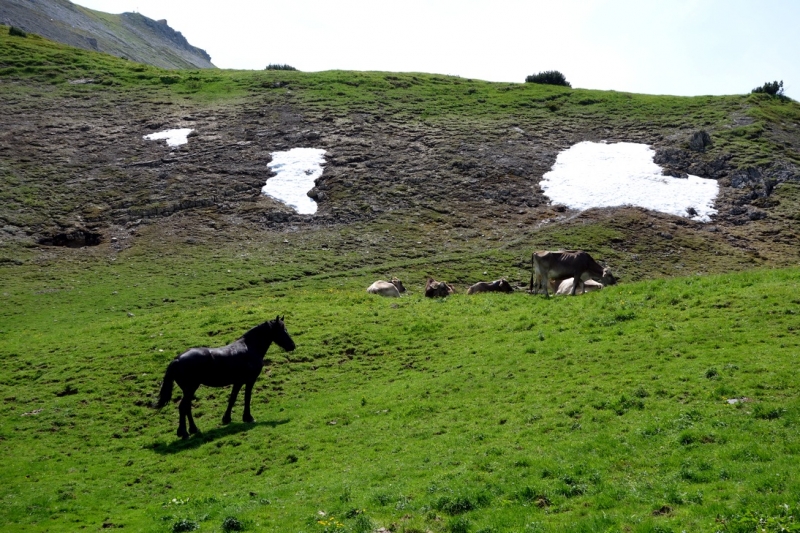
[499,413]
[654,405]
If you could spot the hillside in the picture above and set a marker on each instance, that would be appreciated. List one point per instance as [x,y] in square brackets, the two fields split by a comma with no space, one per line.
[462,157]
[667,402]
[128,35]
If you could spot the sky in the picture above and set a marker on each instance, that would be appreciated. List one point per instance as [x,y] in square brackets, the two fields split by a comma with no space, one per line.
[678,47]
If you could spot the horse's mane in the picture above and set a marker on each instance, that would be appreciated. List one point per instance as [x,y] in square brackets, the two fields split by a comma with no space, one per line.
[258,331]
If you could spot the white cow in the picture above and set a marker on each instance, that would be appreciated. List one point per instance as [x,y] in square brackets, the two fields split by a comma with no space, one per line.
[387,288]
[564,287]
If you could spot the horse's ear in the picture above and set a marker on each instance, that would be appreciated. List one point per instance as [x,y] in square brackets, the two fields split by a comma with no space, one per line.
[277,318]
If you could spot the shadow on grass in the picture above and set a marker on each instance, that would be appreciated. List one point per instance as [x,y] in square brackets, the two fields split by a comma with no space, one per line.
[204,437]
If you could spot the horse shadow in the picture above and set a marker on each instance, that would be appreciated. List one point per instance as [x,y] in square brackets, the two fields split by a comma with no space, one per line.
[205,437]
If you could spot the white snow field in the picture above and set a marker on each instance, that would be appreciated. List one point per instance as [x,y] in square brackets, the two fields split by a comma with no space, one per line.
[296,171]
[175,137]
[590,174]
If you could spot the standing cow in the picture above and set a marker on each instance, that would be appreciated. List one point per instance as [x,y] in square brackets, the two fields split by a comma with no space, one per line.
[562,265]
[387,288]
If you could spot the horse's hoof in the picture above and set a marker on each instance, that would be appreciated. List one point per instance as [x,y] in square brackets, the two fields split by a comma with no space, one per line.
[226,420]
[183,434]
[194,430]
[248,419]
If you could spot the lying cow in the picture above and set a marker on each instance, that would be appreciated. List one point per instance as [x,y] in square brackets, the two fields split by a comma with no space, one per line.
[438,289]
[499,285]
[563,287]
[387,288]
[562,265]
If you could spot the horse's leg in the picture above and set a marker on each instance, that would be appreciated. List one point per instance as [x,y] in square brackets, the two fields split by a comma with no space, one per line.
[182,433]
[192,427]
[226,418]
[248,388]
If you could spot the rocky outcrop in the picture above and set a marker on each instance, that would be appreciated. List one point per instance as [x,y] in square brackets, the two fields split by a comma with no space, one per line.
[133,36]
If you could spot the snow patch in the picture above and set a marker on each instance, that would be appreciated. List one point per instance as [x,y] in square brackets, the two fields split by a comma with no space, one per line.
[295,170]
[590,174]
[175,137]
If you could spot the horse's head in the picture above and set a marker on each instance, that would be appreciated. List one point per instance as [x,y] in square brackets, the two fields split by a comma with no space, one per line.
[279,334]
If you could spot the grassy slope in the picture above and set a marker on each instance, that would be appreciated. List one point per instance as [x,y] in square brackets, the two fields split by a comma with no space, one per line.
[612,402]
[766,131]
[492,413]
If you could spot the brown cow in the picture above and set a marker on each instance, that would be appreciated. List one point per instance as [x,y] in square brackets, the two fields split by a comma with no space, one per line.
[387,288]
[440,289]
[564,264]
[499,285]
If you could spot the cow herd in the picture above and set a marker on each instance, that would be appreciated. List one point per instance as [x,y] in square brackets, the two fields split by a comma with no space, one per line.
[565,272]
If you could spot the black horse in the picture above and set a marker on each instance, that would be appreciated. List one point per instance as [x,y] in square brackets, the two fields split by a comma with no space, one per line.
[237,364]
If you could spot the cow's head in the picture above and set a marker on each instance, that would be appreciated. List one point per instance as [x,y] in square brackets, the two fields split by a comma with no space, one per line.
[399,284]
[504,286]
[608,278]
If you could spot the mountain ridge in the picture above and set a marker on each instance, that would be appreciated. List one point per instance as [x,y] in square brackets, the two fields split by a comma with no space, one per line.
[128,35]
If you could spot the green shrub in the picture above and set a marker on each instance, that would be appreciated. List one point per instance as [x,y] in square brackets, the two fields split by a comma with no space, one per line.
[279,67]
[16,32]
[184,524]
[459,524]
[774,88]
[232,524]
[765,412]
[362,524]
[548,77]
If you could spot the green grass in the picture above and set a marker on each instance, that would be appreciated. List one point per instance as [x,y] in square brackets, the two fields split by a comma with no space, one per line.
[605,412]
[486,413]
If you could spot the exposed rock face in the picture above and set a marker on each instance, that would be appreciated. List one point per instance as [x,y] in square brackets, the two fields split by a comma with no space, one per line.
[135,37]
[74,237]
[678,163]
[699,141]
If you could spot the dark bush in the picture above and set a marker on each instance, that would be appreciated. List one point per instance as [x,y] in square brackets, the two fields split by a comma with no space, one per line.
[459,524]
[16,32]
[548,77]
[232,524]
[184,524]
[279,67]
[774,88]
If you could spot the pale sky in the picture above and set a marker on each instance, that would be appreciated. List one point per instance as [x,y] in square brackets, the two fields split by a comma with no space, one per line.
[679,47]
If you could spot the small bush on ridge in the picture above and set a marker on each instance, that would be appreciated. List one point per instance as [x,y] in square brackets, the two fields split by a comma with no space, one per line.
[279,67]
[16,32]
[771,88]
[549,77]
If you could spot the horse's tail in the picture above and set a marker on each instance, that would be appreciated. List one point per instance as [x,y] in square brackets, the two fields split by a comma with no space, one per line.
[165,394]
